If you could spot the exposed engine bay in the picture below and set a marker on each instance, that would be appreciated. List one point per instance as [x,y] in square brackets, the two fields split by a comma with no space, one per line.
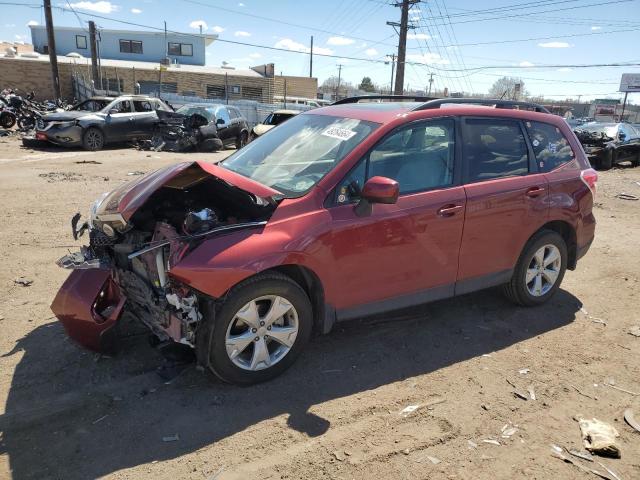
[141,250]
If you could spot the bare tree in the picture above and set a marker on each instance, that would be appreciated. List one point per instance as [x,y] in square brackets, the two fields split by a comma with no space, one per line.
[508,88]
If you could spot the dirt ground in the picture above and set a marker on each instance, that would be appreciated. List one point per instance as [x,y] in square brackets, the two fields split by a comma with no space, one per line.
[70,414]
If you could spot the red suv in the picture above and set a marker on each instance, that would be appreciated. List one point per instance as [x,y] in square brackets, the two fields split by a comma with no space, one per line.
[340,212]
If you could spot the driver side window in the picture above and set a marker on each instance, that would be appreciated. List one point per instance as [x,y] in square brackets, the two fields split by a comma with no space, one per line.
[224,115]
[419,157]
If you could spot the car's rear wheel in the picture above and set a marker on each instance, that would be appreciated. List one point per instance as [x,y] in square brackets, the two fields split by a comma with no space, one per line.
[241,141]
[258,332]
[93,139]
[539,271]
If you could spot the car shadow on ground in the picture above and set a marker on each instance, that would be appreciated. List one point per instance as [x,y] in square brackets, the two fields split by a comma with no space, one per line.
[74,415]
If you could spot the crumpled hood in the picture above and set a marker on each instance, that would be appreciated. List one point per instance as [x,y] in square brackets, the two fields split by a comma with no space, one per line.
[130,196]
[66,116]
[261,129]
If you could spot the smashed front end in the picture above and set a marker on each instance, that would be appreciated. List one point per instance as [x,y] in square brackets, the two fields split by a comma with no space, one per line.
[137,234]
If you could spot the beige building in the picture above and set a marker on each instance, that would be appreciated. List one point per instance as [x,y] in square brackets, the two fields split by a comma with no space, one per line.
[33,72]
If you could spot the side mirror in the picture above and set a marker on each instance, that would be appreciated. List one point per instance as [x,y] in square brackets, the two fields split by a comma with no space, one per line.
[377,190]
[113,110]
[220,121]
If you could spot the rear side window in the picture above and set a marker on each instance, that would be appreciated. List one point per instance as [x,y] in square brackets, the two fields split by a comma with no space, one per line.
[494,148]
[233,113]
[550,146]
[142,106]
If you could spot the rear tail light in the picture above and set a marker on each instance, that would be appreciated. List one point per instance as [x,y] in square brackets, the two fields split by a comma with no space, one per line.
[590,178]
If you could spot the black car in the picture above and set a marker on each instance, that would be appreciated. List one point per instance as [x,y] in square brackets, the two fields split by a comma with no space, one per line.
[125,118]
[232,128]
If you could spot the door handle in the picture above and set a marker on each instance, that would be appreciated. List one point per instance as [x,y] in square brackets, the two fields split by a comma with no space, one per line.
[449,210]
[535,191]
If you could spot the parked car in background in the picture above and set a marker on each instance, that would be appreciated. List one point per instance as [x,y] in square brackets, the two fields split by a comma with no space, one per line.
[607,144]
[273,119]
[338,213]
[125,118]
[232,127]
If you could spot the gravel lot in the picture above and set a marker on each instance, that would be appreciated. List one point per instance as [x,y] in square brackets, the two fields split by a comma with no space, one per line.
[69,414]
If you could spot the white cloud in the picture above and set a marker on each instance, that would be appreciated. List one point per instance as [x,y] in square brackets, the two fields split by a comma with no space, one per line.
[217,29]
[371,52]
[594,28]
[414,18]
[32,23]
[555,45]
[241,4]
[136,10]
[196,24]
[340,41]
[255,55]
[564,69]
[294,46]
[418,36]
[240,33]
[526,64]
[99,7]
[428,59]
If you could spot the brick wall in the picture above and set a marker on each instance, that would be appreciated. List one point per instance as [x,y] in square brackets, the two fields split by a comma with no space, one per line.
[27,75]
[296,86]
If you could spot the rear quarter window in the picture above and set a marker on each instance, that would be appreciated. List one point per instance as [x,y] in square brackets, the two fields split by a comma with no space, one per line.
[550,146]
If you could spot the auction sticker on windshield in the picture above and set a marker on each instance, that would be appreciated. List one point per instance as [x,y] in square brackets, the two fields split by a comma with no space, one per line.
[339,133]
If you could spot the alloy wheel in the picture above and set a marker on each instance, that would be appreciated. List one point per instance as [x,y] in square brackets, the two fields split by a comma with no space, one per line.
[543,271]
[262,333]
[94,140]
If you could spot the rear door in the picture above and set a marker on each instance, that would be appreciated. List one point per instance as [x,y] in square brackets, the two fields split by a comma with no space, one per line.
[405,253]
[144,118]
[507,200]
[118,125]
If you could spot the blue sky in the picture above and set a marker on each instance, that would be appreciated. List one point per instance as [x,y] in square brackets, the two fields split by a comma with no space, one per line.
[450,40]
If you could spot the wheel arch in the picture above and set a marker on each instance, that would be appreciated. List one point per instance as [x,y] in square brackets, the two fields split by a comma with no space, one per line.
[568,233]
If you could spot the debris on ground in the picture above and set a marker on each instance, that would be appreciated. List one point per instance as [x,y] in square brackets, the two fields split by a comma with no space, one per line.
[524,371]
[583,455]
[508,431]
[171,438]
[491,441]
[626,196]
[556,452]
[634,330]
[434,460]
[517,392]
[137,172]
[631,420]
[532,393]
[340,456]
[23,281]
[582,393]
[472,444]
[611,383]
[599,437]
[592,318]
[408,410]
[92,162]
[60,176]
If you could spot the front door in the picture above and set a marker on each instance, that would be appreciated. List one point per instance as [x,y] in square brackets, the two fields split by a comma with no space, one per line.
[118,125]
[225,130]
[406,253]
[507,201]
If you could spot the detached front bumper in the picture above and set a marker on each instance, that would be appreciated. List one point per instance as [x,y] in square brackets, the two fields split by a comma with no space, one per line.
[88,305]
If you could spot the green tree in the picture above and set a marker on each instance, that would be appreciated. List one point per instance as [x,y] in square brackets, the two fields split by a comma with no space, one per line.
[367,85]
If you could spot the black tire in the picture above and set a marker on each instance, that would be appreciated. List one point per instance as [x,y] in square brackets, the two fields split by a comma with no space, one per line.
[516,290]
[26,123]
[605,161]
[210,145]
[241,141]
[211,336]
[7,120]
[93,139]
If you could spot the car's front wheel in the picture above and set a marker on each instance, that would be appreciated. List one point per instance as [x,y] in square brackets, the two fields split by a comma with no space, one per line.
[93,139]
[258,331]
[539,270]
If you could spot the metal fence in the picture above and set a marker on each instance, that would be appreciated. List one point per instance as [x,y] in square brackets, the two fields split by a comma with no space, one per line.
[254,112]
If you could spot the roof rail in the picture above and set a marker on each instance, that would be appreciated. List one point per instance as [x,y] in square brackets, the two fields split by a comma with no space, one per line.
[415,98]
[488,102]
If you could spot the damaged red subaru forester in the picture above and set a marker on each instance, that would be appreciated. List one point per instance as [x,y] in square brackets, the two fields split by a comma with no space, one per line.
[340,212]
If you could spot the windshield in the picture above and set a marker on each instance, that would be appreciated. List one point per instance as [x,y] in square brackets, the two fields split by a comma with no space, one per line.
[208,112]
[295,156]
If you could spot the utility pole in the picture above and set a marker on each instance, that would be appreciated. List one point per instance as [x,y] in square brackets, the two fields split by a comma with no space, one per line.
[393,66]
[94,53]
[311,59]
[430,83]
[51,41]
[402,42]
[338,85]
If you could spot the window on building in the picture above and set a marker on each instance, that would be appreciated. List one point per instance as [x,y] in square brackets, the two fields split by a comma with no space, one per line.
[235,89]
[216,91]
[494,148]
[81,42]
[148,87]
[130,46]
[252,93]
[181,49]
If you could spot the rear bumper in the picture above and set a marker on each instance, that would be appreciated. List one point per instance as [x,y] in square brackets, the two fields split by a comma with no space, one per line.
[88,305]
